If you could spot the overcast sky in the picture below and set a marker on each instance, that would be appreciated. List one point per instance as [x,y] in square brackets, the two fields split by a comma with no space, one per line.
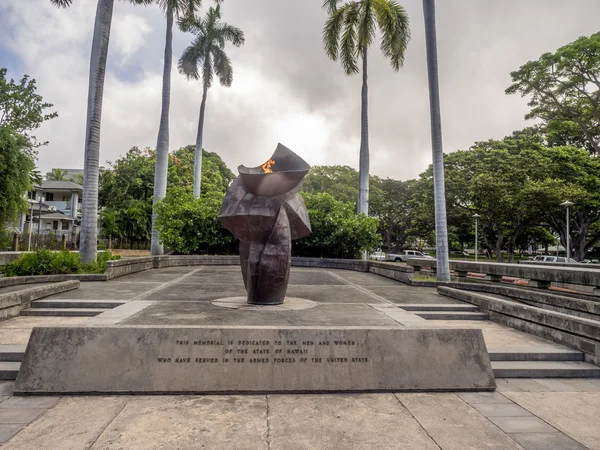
[285,89]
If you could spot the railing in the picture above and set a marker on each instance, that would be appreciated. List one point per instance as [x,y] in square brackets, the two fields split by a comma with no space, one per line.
[539,276]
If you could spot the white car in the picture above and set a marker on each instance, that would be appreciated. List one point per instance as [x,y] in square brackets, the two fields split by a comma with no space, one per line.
[378,256]
[554,259]
[402,257]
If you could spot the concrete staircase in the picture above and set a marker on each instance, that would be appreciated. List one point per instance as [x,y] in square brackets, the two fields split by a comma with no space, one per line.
[10,361]
[540,362]
[70,308]
[446,311]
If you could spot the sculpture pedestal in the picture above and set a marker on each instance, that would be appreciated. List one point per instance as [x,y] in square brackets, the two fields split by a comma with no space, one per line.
[252,359]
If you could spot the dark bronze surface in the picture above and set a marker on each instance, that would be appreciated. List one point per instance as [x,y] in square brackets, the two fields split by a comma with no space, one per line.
[265,212]
[288,171]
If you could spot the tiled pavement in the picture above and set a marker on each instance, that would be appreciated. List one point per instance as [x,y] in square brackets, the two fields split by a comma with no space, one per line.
[538,414]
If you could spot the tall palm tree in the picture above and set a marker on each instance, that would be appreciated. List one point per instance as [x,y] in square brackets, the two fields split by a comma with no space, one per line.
[89,210]
[174,9]
[203,58]
[57,175]
[441,226]
[348,33]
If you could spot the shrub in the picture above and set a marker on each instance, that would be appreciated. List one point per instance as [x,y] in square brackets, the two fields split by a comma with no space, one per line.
[46,262]
[189,225]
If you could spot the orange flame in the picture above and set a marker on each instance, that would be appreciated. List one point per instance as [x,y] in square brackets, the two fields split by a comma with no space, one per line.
[266,167]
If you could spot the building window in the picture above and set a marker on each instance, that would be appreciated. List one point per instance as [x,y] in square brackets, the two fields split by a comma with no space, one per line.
[55,225]
[49,196]
[31,195]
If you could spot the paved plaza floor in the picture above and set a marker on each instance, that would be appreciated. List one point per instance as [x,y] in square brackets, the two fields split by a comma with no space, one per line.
[523,413]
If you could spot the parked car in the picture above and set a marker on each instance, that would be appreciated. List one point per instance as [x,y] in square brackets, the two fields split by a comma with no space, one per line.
[403,256]
[378,256]
[554,259]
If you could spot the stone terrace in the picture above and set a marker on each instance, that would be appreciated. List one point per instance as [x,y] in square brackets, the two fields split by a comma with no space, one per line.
[544,413]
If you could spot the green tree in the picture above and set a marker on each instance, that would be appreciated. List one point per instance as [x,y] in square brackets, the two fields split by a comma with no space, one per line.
[109,227]
[564,90]
[341,182]
[21,108]
[203,59]
[22,111]
[189,225]
[348,34]
[98,58]
[337,230]
[441,225]
[16,166]
[395,213]
[57,175]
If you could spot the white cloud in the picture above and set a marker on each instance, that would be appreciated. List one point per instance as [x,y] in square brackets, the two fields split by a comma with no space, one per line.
[285,89]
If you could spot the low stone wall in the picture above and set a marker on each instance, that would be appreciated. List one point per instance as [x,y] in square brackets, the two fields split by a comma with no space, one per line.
[576,332]
[356,265]
[540,276]
[12,303]
[392,270]
[195,260]
[8,257]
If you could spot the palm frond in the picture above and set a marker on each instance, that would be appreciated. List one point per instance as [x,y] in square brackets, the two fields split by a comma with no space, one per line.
[232,34]
[366,26]
[206,56]
[191,58]
[331,32]
[395,31]
[62,3]
[348,49]
[222,66]
[330,6]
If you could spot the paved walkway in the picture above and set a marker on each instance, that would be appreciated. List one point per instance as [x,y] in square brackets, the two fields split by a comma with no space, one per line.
[523,413]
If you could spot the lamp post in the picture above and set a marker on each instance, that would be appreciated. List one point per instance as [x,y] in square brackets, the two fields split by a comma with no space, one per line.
[39,223]
[30,227]
[476,216]
[567,203]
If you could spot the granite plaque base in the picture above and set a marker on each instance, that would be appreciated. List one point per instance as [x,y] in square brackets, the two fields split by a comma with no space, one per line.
[211,359]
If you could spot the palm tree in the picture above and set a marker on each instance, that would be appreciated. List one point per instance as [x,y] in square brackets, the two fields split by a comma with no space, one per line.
[57,175]
[78,179]
[89,210]
[441,227]
[173,9]
[203,58]
[348,33]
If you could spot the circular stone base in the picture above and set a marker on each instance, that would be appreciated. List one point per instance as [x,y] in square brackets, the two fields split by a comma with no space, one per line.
[290,304]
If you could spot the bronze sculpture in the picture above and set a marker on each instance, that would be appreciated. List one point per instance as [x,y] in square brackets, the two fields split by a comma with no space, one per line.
[263,209]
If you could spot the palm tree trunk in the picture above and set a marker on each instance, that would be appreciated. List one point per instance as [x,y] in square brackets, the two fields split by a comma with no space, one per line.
[363,168]
[198,160]
[89,207]
[162,144]
[441,229]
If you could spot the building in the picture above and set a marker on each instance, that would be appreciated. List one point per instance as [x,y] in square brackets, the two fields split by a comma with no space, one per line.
[55,208]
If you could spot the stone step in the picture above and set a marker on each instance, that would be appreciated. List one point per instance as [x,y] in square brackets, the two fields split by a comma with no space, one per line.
[12,353]
[439,307]
[9,370]
[534,353]
[78,304]
[451,315]
[68,312]
[544,369]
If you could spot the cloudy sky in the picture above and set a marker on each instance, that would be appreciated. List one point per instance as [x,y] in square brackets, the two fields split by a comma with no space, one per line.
[285,89]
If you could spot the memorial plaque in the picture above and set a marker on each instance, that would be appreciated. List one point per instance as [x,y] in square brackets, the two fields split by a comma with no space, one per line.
[149,359]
